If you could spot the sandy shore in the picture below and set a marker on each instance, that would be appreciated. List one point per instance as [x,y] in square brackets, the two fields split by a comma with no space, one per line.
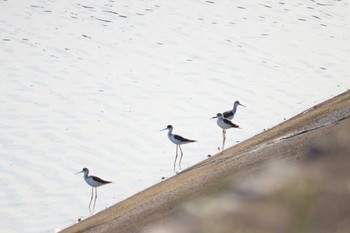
[286,142]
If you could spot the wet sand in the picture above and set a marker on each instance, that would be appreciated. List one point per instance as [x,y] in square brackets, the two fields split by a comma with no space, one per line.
[287,142]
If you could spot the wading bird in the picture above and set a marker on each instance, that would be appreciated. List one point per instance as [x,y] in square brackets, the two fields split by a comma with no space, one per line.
[94,182]
[178,140]
[231,113]
[224,123]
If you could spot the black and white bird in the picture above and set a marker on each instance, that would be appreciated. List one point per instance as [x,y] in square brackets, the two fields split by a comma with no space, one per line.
[178,140]
[94,182]
[231,113]
[224,124]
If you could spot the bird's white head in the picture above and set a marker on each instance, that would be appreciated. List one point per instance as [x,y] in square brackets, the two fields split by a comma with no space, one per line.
[85,170]
[169,127]
[218,115]
[236,103]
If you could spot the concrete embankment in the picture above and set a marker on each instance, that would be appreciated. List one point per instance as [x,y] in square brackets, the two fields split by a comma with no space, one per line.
[293,143]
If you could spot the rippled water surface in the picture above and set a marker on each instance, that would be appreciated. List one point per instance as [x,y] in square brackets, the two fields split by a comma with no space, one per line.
[91,83]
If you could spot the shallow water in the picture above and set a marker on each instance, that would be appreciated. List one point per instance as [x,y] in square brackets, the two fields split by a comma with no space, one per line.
[91,83]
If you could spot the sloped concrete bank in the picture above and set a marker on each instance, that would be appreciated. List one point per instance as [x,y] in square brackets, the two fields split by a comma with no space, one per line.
[292,143]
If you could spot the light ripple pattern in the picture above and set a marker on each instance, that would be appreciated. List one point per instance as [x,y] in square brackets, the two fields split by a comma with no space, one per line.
[91,83]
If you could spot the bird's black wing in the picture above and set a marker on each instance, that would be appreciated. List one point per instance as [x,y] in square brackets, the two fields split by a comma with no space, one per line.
[182,139]
[227,114]
[231,123]
[98,179]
